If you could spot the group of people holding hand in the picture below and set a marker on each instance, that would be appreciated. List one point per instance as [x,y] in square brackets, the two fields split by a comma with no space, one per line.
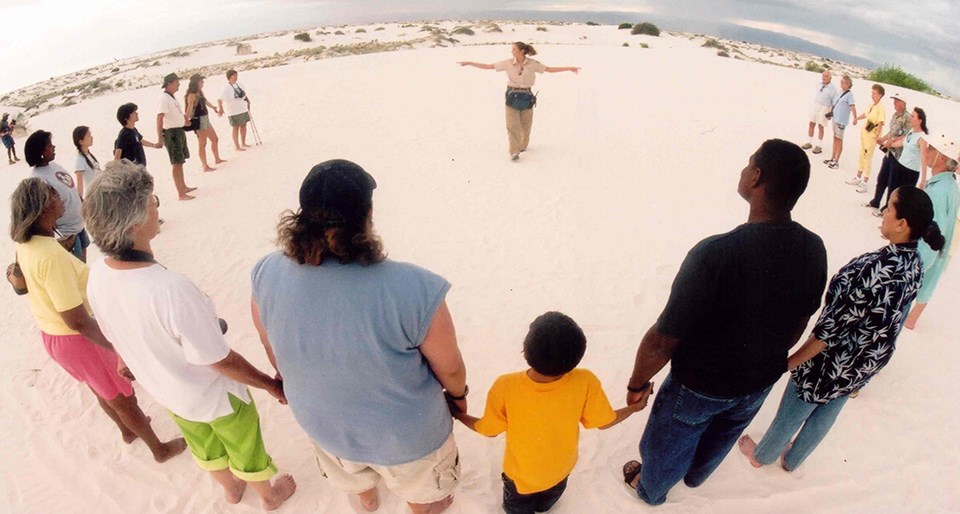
[912,156]
[365,352]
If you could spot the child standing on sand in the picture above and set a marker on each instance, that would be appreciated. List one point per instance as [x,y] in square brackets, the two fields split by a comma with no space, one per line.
[541,410]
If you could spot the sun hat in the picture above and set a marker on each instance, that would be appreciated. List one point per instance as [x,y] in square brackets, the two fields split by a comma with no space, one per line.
[944,144]
[169,78]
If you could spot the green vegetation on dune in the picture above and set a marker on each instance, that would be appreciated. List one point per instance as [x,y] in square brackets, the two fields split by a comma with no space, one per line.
[645,28]
[892,74]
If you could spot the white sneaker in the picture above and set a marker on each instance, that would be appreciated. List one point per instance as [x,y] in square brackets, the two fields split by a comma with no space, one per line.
[515,157]
[854,181]
[877,213]
[862,187]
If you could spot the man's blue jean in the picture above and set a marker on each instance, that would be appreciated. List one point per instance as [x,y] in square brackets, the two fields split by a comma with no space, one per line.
[688,435]
[816,418]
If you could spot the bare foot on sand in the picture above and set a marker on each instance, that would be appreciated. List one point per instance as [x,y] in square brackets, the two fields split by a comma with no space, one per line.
[220,161]
[184,198]
[234,494]
[283,487]
[431,508]
[239,149]
[209,169]
[783,457]
[748,447]
[170,450]
[248,146]
[189,189]
[128,435]
[369,500]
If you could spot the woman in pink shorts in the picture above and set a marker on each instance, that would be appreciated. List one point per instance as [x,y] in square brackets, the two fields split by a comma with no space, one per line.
[56,285]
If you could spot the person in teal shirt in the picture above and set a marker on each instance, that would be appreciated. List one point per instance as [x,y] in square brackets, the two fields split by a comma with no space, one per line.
[943,191]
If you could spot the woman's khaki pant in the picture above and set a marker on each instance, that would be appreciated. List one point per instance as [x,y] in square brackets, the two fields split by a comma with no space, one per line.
[519,124]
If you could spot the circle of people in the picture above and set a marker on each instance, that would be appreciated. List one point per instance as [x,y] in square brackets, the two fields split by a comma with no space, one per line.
[371,368]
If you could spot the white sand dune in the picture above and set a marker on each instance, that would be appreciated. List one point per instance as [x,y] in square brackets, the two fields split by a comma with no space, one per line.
[631,163]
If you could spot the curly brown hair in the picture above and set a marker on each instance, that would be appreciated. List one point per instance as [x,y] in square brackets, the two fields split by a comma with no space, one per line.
[311,237]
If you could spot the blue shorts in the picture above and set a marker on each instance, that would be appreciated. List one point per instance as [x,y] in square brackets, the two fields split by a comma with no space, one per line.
[8,141]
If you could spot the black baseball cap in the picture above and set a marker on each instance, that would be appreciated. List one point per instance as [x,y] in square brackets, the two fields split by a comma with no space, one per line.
[338,186]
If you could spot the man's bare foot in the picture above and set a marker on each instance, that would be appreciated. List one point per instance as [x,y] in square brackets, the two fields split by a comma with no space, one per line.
[185,197]
[208,169]
[239,149]
[248,146]
[130,436]
[190,189]
[170,450]
[220,161]
[369,500]
[747,447]
[235,493]
[431,508]
[283,487]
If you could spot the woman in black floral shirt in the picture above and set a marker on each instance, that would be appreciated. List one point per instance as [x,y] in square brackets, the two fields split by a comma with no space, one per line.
[867,303]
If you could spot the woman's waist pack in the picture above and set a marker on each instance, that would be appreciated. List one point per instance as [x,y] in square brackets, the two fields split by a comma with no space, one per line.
[521,100]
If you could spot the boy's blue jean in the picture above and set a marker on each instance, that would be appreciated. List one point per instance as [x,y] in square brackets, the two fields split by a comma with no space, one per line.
[816,418]
[541,501]
[688,435]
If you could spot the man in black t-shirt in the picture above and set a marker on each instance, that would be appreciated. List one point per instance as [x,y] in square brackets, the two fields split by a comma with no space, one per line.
[129,143]
[738,304]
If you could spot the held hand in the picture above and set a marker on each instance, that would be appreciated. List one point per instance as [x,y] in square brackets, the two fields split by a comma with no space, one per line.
[855,121]
[576,71]
[636,402]
[123,370]
[276,390]
[463,63]
[456,406]
[159,144]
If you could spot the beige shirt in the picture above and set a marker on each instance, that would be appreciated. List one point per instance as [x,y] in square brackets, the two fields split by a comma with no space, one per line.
[520,75]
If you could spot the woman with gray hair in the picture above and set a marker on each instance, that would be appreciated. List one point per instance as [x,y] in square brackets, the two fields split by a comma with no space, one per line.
[56,281]
[171,338]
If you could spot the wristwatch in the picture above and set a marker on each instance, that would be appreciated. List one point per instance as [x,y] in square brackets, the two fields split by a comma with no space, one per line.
[466,391]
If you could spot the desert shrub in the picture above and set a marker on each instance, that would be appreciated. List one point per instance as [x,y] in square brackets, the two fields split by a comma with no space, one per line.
[492,27]
[378,29]
[626,44]
[303,36]
[541,29]
[593,24]
[713,43]
[644,45]
[812,66]
[338,33]
[466,31]
[114,70]
[892,74]
[429,28]
[120,83]
[626,26]
[178,53]
[723,53]
[645,28]
[361,30]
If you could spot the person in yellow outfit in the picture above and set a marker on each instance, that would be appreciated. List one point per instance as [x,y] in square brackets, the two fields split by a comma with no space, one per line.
[868,137]
[541,410]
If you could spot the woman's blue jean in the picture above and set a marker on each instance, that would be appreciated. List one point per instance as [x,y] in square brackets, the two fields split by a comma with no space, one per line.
[816,418]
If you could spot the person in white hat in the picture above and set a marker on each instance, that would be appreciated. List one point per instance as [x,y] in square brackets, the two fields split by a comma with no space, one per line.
[943,191]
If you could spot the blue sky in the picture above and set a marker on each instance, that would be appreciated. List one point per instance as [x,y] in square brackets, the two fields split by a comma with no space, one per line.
[45,38]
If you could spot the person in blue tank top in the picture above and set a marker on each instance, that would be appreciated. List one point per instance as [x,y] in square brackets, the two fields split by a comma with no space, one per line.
[365,346]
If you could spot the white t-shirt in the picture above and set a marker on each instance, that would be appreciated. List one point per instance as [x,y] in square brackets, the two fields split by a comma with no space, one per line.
[89,173]
[72,220]
[166,330]
[173,116]
[231,104]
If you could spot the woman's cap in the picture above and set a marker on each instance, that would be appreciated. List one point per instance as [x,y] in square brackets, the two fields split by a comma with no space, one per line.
[338,186]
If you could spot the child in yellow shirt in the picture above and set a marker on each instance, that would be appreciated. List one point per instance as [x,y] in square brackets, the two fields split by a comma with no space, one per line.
[541,410]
